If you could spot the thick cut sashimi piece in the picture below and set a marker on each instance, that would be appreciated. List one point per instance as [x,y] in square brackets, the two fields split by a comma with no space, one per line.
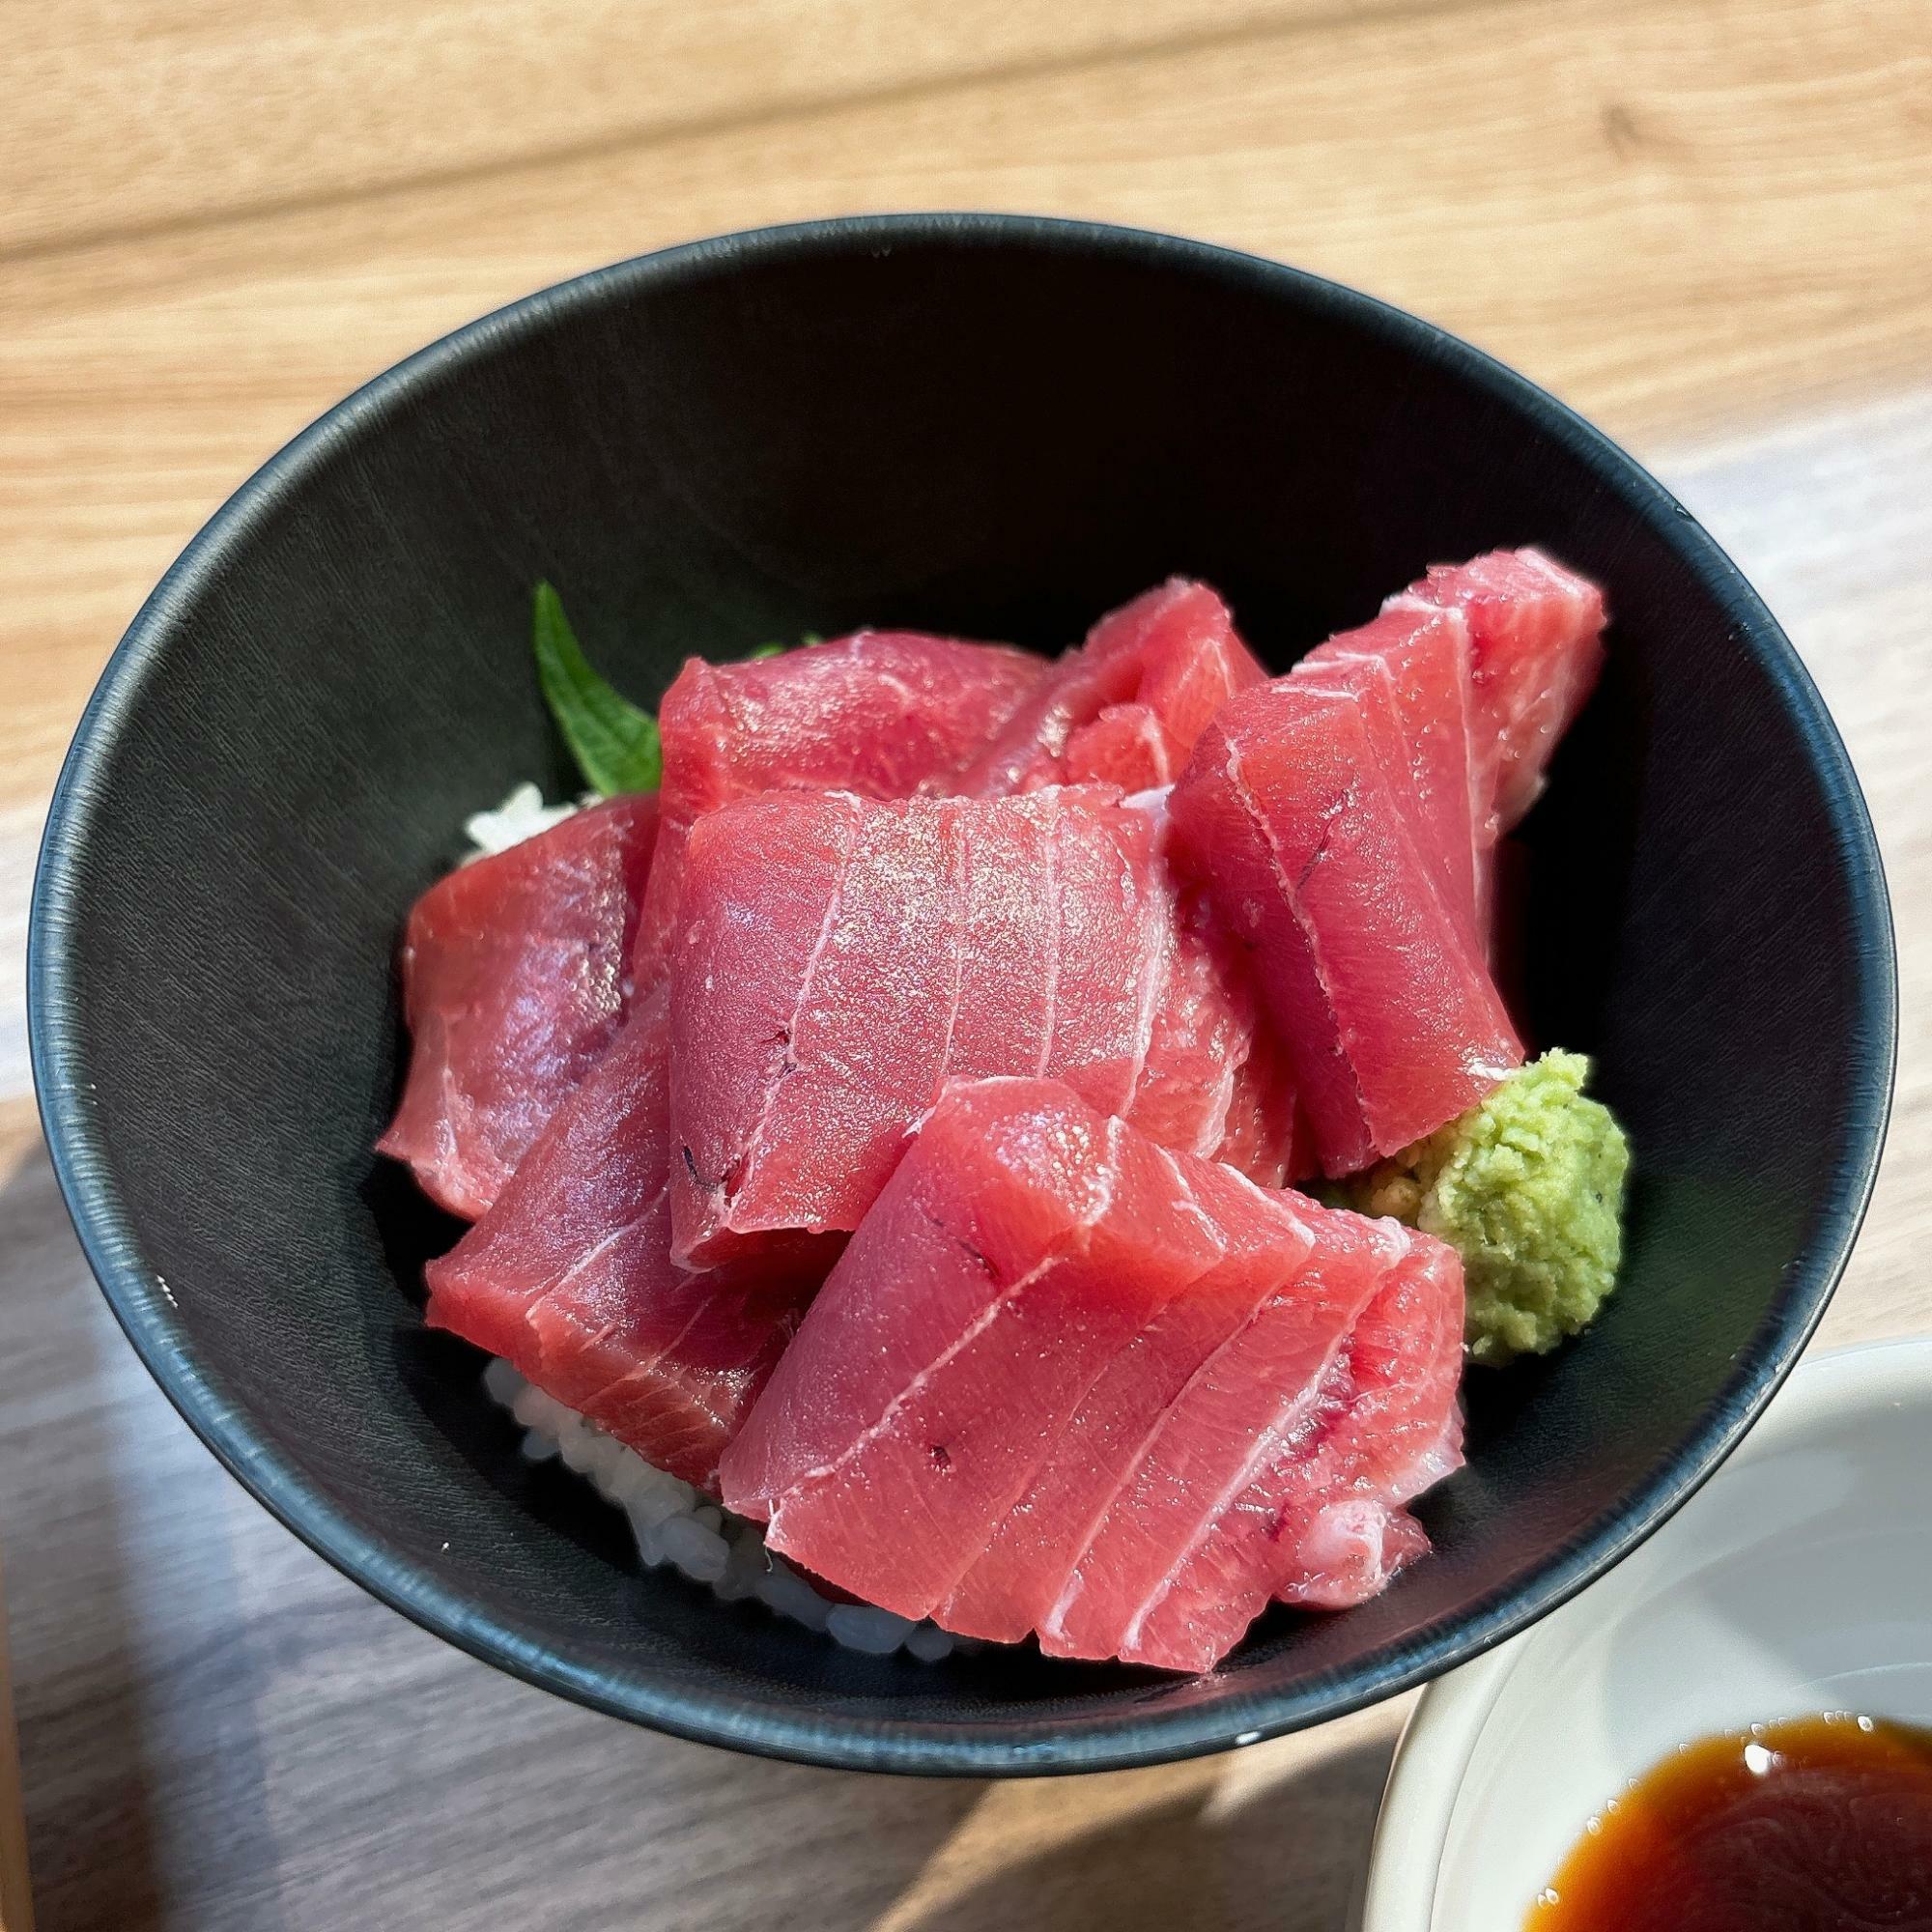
[1013,1585]
[1052,1361]
[1391,1020]
[880,713]
[1107,886]
[514,982]
[1248,1404]
[763,890]
[1129,704]
[1416,663]
[842,959]
[1536,634]
[1001,1174]
[1019,1246]
[1216,1081]
[883,714]
[569,1275]
[1322,1524]
[1340,1529]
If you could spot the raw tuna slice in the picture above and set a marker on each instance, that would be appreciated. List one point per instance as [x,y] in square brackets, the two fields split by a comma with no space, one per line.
[1340,1529]
[841,960]
[1391,1021]
[1102,1450]
[1216,1081]
[1267,1136]
[1324,1526]
[1125,707]
[1051,1360]
[1412,666]
[1203,1027]
[513,984]
[1019,1246]
[880,713]
[1249,1407]
[569,1275]
[1535,633]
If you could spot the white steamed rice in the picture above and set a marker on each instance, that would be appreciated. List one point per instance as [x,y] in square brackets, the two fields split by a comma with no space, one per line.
[675,1524]
[522,815]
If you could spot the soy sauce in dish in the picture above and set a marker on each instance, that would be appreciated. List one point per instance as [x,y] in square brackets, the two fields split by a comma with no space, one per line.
[1816,1824]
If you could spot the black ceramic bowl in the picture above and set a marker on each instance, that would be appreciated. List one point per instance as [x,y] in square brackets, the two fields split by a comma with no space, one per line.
[997,426]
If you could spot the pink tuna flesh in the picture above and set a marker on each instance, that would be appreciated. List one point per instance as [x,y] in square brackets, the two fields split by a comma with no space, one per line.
[1536,635]
[1245,1411]
[1267,1136]
[1109,1445]
[844,959]
[1412,666]
[880,713]
[1021,1244]
[1288,817]
[1050,1362]
[514,977]
[1127,706]
[569,1275]
[1324,1525]
[1216,1081]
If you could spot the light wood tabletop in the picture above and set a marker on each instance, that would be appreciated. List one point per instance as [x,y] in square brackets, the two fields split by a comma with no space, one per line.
[1704,222]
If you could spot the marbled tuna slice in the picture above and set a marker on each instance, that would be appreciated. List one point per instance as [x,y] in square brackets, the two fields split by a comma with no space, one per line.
[1019,1246]
[1416,663]
[1325,1524]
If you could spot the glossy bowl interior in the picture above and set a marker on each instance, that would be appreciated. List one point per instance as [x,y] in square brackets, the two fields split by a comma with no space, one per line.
[995,426]
[1795,1584]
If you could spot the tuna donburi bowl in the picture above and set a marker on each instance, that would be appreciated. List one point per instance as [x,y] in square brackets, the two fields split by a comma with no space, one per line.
[920,431]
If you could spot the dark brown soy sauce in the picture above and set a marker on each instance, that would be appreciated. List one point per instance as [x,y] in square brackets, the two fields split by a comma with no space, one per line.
[1818,1825]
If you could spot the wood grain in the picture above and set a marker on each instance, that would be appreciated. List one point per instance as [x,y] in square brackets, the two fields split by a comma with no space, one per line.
[133,116]
[17,1900]
[1678,217]
[1702,222]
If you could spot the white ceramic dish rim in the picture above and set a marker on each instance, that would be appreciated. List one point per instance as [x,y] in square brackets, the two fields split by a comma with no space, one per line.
[1441,1739]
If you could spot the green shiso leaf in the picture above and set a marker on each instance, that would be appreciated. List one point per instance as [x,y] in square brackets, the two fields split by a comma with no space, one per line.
[615,745]
[779,650]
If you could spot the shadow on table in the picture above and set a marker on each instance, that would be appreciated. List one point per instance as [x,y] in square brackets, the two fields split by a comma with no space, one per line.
[1284,1854]
[108,1552]
[147,1667]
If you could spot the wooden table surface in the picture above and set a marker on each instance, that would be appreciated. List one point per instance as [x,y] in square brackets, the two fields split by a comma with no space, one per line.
[1706,223]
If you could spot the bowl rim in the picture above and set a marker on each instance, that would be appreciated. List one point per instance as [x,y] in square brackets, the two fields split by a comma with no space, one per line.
[145,1310]
[1444,1729]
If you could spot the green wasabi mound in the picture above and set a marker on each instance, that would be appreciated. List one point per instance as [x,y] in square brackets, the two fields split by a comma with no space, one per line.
[1529,1188]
